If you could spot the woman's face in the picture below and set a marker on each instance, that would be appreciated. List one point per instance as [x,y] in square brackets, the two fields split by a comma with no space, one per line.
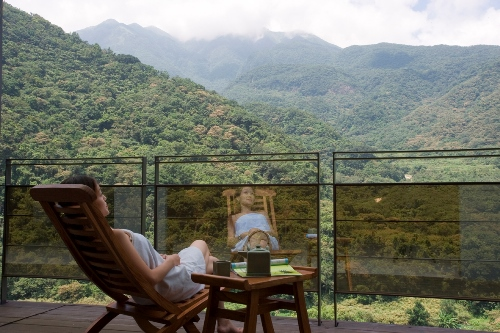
[100,202]
[247,196]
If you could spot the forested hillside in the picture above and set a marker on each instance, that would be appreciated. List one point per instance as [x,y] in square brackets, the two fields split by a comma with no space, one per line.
[385,96]
[392,96]
[65,98]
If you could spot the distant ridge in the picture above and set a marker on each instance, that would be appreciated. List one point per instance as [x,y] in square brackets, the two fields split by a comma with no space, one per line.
[214,63]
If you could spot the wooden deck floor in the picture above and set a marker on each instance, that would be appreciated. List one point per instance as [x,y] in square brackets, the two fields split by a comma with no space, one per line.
[19,317]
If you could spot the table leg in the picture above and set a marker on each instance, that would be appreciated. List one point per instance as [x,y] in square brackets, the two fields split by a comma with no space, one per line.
[211,312]
[267,323]
[300,303]
[251,312]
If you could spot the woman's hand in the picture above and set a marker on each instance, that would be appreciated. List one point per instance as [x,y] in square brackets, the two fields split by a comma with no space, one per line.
[176,260]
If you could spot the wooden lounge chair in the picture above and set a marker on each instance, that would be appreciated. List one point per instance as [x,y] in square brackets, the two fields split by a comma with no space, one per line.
[90,240]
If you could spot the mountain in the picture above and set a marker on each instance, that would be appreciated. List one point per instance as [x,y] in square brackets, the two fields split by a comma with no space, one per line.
[387,95]
[468,115]
[384,96]
[214,63]
[64,98]
[151,45]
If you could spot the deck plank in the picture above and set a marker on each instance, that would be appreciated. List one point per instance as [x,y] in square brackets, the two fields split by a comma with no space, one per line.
[20,317]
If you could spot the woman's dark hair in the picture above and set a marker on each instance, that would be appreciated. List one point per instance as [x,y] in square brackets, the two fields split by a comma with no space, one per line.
[81,179]
[238,191]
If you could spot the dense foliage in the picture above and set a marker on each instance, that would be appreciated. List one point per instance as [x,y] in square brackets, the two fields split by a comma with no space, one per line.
[442,105]
[65,98]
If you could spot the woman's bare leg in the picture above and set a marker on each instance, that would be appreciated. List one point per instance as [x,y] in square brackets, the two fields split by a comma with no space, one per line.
[209,259]
[223,325]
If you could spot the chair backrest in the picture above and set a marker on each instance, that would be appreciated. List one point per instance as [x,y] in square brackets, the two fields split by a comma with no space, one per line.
[91,241]
[263,203]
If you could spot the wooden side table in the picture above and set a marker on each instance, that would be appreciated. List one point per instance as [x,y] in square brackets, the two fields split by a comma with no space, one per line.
[255,293]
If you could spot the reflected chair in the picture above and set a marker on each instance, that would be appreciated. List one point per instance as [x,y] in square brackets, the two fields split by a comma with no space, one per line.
[90,240]
[264,204]
[343,242]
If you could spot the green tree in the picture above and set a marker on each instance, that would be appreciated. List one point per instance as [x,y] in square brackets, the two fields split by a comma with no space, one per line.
[448,315]
[418,315]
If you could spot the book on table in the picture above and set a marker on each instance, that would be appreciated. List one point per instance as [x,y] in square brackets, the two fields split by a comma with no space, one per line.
[279,267]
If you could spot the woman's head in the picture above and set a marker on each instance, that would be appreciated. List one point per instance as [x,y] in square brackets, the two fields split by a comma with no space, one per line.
[100,201]
[246,196]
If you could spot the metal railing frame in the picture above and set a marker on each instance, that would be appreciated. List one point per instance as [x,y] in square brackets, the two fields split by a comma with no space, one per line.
[336,157]
[11,163]
[398,155]
[247,158]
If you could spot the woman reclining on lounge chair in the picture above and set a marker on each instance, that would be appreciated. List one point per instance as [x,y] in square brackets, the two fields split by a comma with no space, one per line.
[170,274]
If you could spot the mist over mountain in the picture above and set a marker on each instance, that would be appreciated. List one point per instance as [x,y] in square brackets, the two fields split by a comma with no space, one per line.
[384,96]
[214,64]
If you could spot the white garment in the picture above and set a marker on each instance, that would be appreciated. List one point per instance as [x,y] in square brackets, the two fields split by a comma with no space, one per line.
[249,221]
[177,284]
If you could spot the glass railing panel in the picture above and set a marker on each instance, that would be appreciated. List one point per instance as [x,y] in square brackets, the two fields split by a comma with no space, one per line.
[419,240]
[34,248]
[187,213]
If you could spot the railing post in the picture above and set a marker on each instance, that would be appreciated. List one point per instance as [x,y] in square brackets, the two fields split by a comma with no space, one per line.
[143,195]
[3,287]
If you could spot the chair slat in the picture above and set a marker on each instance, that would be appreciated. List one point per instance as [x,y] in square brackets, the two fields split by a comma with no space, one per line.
[90,244]
[105,265]
[79,232]
[97,255]
[109,274]
[81,221]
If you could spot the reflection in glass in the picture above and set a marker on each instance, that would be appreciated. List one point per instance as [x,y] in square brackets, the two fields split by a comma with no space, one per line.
[186,213]
[420,240]
[34,248]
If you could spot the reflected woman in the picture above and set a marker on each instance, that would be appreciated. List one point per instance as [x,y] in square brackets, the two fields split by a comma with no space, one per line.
[249,228]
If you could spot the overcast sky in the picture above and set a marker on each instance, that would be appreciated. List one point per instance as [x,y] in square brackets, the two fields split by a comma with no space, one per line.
[340,22]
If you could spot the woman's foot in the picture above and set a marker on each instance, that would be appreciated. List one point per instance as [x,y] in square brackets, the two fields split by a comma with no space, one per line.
[226,326]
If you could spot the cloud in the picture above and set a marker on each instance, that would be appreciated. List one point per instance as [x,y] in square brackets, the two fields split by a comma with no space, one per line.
[461,22]
[340,22]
